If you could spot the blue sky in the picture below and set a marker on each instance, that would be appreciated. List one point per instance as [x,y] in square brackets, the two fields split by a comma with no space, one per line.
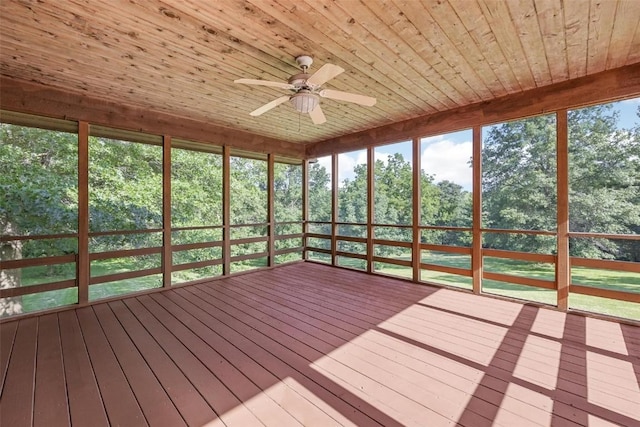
[446,156]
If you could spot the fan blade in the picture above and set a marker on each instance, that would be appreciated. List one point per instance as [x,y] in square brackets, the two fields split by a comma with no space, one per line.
[317,116]
[281,85]
[324,74]
[270,105]
[349,97]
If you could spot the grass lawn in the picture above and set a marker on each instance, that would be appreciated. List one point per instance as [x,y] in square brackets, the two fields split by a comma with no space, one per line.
[615,280]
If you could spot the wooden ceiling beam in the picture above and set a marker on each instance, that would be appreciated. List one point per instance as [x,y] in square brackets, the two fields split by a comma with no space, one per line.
[32,98]
[603,87]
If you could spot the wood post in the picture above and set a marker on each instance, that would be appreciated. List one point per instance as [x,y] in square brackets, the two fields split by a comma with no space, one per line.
[334,207]
[166,212]
[305,206]
[226,210]
[270,211]
[416,252]
[476,250]
[83,266]
[370,206]
[563,266]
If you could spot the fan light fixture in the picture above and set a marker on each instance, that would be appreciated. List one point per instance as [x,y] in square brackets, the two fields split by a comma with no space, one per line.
[305,101]
[307,91]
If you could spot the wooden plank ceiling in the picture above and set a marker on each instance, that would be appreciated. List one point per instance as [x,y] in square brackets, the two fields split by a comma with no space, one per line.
[417,58]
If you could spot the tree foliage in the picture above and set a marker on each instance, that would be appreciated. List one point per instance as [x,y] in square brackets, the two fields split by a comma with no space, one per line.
[39,191]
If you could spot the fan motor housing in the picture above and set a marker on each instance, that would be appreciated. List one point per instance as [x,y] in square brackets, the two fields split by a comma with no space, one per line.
[299,80]
[304,61]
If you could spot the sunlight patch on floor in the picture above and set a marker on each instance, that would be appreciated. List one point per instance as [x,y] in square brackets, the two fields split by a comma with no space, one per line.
[514,412]
[606,335]
[444,331]
[539,362]
[606,378]
[491,309]
[549,323]
[594,421]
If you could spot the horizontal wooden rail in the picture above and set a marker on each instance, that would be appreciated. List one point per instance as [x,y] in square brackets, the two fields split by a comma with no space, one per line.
[196,264]
[249,256]
[402,262]
[350,255]
[44,287]
[124,253]
[606,264]
[257,224]
[95,280]
[394,243]
[443,228]
[322,251]
[518,280]
[288,236]
[249,240]
[277,223]
[605,236]
[355,224]
[522,256]
[200,245]
[125,232]
[446,248]
[288,250]
[36,262]
[508,231]
[319,222]
[38,237]
[409,226]
[446,269]
[605,293]
[318,236]
[197,227]
[351,239]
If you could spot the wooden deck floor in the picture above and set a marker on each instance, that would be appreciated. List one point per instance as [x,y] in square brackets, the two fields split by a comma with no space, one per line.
[312,345]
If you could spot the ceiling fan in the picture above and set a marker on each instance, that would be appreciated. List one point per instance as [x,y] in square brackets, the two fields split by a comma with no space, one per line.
[307,92]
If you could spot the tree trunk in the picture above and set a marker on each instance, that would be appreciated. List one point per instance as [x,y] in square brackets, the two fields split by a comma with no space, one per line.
[10,278]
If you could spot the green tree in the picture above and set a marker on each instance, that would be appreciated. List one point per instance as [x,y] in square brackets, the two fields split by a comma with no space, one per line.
[604,182]
[519,181]
[38,195]
[319,194]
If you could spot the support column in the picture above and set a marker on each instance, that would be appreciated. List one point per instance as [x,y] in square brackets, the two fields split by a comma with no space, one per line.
[334,207]
[226,210]
[305,206]
[416,252]
[476,250]
[370,206]
[83,266]
[270,210]
[563,266]
[166,211]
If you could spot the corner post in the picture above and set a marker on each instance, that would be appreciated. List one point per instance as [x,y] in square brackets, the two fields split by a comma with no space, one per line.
[476,249]
[563,262]
[83,266]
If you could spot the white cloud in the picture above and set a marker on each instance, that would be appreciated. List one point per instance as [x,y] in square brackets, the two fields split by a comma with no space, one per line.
[631,101]
[432,139]
[347,162]
[448,161]
[325,162]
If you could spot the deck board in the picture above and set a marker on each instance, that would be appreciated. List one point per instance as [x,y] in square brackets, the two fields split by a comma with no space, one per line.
[312,345]
[86,406]
[154,401]
[118,398]
[7,335]
[50,400]
[16,407]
